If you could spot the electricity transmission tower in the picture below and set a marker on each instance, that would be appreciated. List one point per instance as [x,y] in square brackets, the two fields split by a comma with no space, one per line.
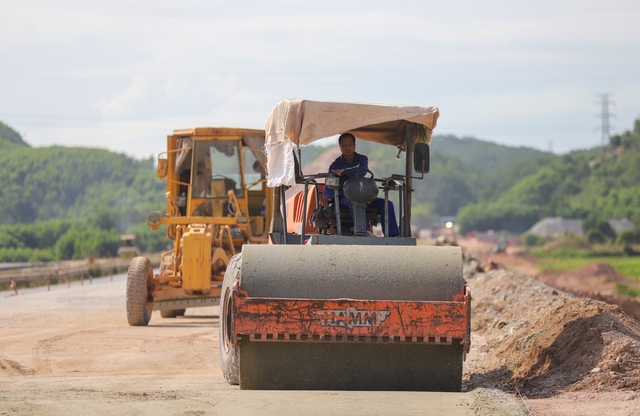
[604,116]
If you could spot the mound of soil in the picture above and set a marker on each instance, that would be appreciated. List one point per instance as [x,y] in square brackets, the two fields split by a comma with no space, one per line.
[599,269]
[597,280]
[594,277]
[545,341]
[581,345]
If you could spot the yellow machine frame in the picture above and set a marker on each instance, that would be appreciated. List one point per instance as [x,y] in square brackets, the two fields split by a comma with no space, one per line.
[191,273]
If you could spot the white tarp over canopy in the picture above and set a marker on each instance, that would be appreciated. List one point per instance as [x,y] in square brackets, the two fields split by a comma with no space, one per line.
[295,122]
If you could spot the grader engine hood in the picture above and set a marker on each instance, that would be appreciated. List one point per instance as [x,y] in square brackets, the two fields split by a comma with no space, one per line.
[196,260]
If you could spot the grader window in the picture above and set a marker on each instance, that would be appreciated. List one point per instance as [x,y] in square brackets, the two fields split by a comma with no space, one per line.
[217,169]
[254,170]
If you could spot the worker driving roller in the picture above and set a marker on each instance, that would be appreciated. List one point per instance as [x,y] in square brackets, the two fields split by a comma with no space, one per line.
[350,165]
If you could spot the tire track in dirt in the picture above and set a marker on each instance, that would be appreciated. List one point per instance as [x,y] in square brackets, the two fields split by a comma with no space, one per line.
[47,348]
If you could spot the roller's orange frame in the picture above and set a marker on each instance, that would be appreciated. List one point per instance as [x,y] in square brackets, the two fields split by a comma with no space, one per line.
[337,320]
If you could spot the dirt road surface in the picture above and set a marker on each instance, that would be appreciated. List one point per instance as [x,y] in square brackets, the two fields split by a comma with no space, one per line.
[71,351]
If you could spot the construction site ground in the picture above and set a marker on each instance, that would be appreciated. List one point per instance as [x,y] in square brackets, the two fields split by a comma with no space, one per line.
[535,350]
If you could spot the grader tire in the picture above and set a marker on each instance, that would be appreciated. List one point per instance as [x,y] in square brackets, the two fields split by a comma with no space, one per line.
[172,313]
[228,345]
[139,287]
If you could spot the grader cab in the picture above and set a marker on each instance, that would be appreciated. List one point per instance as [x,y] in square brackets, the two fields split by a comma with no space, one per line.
[217,201]
[344,310]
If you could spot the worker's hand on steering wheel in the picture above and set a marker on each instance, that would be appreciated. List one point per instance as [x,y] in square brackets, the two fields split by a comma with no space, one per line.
[343,171]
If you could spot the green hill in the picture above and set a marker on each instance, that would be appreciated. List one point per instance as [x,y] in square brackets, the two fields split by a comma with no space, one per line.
[497,167]
[485,155]
[588,185]
[67,182]
[9,136]
[92,195]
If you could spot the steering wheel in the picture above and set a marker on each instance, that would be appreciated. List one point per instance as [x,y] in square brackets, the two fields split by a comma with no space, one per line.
[365,170]
[229,183]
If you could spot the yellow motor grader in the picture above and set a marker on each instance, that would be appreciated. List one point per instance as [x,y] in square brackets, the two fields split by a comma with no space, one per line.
[217,201]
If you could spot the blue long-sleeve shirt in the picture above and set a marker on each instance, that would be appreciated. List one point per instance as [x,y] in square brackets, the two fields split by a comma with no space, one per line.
[359,161]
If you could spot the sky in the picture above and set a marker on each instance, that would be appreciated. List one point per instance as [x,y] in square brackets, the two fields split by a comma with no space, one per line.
[122,75]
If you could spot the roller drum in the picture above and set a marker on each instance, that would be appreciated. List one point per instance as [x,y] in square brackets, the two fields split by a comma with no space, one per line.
[417,273]
[350,366]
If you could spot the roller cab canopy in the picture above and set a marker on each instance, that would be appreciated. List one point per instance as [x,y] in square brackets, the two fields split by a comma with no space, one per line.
[295,122]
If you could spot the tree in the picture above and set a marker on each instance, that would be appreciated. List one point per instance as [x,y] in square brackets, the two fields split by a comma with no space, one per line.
[599,229]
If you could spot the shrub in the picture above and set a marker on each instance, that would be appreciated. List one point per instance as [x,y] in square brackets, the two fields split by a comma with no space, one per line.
[629,251]
[41,255]
[594,225]
[624,289]
[77,243]
[569,242]
[628,237]
[95,270]
[533,240]
[15,255]
[596,237]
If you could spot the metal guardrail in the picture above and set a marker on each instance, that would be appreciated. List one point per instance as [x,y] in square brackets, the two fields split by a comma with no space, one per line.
[62,272]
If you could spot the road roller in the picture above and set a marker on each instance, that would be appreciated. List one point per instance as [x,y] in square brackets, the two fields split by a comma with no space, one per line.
[327,304]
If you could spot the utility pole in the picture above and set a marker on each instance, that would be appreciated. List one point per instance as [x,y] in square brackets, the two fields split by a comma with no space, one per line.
[604,116]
